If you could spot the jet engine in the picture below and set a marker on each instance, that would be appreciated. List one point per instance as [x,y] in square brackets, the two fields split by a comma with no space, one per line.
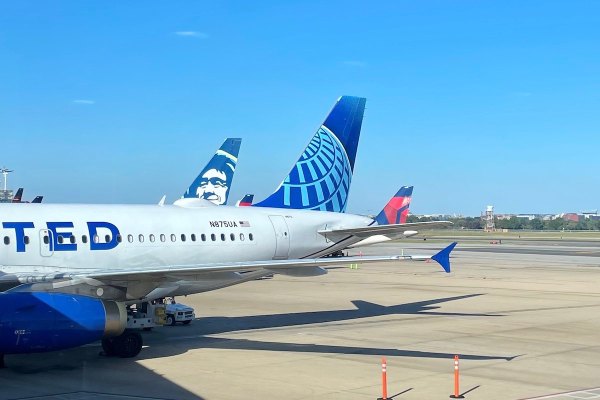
[40,321]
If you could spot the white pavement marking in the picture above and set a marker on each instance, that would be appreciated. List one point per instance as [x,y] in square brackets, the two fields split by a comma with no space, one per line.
[579,394]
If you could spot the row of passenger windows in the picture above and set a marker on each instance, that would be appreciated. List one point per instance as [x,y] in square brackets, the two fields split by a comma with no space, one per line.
[141,238]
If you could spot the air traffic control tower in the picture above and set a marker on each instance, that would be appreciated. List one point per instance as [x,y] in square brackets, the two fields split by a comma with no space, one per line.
[6,195]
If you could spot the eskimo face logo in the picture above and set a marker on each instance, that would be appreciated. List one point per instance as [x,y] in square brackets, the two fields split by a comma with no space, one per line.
[216,178]
[320,180]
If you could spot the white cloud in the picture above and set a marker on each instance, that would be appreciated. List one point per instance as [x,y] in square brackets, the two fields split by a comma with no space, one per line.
[355,63]
[199,35]
[84,101]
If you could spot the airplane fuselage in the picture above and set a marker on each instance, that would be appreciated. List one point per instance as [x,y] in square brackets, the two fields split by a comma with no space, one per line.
[51,239]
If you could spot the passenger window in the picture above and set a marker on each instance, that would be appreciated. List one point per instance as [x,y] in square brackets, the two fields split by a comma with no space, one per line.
[6,240]
[182,237]
[60,239]
[242,237]
[26,239]
[213,237]
[141,238]
[96,239]
[250,236]
[193,237]
[232,236]
[130,238]
[107,238]
[151,238]
[203,237]
[119,238]
[222,237]
[72,239]
[83,239]
[173,237]
[46,240]
[162,237]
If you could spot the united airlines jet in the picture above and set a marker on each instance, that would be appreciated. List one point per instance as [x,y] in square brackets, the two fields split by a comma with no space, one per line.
[69,271]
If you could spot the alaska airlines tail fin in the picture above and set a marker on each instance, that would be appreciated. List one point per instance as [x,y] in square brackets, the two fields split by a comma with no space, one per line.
[37,199]
[18,197]
[214,182]
[246,201]
[320,179]
[396,210]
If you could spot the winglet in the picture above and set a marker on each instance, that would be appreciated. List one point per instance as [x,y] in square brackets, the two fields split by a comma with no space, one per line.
[443,257]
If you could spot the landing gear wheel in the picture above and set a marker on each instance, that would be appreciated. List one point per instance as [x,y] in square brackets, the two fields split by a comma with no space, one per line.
[187,322]
[108,346]
[2,365]
[171,320]
[128,344]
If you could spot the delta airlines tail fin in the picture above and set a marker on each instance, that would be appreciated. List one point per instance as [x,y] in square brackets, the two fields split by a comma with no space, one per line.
[214,181]
[246,201]
[38,199]
[18,197]
[396,210]
[320,179]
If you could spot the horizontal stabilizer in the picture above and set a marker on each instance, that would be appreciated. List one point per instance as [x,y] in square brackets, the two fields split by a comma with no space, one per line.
[367,306]
[392,229]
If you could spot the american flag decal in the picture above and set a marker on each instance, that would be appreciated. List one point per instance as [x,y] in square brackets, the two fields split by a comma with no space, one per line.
[245,224]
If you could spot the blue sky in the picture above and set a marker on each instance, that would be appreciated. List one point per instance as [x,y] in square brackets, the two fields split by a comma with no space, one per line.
[472,102]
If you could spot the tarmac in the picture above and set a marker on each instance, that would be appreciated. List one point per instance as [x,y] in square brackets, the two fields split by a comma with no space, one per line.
[524,318]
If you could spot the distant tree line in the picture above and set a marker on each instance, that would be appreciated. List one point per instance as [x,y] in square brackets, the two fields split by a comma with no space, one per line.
[513,223]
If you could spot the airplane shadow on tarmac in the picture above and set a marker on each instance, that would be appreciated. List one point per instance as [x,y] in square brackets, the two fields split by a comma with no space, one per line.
[81,369]
[198,336]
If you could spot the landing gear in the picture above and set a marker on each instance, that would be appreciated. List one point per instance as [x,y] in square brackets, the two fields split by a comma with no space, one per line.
[2,365]
[126,345]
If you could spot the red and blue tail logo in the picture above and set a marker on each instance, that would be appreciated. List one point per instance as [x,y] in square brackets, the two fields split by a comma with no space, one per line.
[396,210]
[246,201]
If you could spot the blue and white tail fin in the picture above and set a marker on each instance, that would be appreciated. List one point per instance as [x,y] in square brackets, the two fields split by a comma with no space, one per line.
[320,179]
[214,181]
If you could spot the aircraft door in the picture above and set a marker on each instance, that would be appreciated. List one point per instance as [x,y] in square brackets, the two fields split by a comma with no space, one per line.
[46,243]
[282,237]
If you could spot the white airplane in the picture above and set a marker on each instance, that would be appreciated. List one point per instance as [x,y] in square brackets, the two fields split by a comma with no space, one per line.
[69,271]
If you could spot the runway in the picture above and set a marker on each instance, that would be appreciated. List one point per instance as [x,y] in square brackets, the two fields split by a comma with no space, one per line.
[524,319]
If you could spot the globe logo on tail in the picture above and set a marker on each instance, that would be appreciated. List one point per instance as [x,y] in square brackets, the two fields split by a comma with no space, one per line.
[321,178]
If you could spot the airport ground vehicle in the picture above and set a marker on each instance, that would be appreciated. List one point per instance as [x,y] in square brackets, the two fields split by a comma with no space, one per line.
[177,312]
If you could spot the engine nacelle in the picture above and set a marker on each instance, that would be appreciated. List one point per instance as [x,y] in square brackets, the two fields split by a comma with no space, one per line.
[39,321]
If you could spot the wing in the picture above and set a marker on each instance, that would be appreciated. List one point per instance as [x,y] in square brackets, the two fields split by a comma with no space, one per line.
[137,283]
[296,267]
[387,230]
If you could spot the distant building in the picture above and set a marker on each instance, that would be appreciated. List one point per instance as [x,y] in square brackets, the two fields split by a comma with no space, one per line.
[6,196]
[571,217]
[589,214]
